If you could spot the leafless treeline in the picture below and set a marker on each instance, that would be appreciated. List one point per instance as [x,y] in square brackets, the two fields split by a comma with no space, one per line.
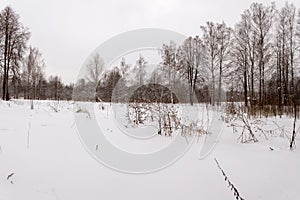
[22,66]
[256,61]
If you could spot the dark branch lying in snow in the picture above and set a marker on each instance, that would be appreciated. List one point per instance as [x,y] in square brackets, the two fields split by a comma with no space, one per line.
[230,185]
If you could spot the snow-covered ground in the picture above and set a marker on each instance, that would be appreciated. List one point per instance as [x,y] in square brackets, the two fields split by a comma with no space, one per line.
[43,150]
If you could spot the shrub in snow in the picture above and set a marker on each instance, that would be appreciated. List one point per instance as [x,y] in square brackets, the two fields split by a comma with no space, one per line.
[83,110]
[165,115]
[237,118]
[167,118]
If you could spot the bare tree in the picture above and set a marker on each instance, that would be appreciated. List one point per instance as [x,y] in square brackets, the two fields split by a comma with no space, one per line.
[291,41]
[124,67]
[241,51]
[33,72]
[108,88]
[95,67]
[262,23]
[141,69]
[13,38]
[55,85]
[294,88]
[192,62]
[169,57]
[210,39]
[285,48]
[224,42]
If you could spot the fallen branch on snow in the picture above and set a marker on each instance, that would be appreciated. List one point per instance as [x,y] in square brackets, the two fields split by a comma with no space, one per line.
[230,185]
[9,177]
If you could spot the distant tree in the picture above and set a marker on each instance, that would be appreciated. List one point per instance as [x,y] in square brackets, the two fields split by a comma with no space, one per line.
[292,45]
[224,42]
[124,67]
[42,87]
[286,48]
[140,68]
[169,62]
[16,85]
[261,19]
[241,53]
[80,93]
[108,84]
[68,91]
[95,67]
[33,73]
[121,93]
[210,39]
[55,87]
[252,52]
[192,62]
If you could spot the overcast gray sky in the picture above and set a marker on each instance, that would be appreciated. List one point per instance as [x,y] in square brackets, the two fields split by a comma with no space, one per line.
[67,31]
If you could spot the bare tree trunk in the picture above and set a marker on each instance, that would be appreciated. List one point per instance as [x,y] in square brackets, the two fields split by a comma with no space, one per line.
[279,82]
[245,82]
[292,142]
[220,82]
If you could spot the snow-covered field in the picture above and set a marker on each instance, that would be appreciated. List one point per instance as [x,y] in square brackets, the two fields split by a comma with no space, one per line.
[42,149]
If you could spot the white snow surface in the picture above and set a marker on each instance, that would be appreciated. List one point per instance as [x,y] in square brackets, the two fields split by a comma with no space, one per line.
[54,165]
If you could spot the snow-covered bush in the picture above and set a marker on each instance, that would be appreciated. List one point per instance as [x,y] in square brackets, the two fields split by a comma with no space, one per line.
[165,115]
